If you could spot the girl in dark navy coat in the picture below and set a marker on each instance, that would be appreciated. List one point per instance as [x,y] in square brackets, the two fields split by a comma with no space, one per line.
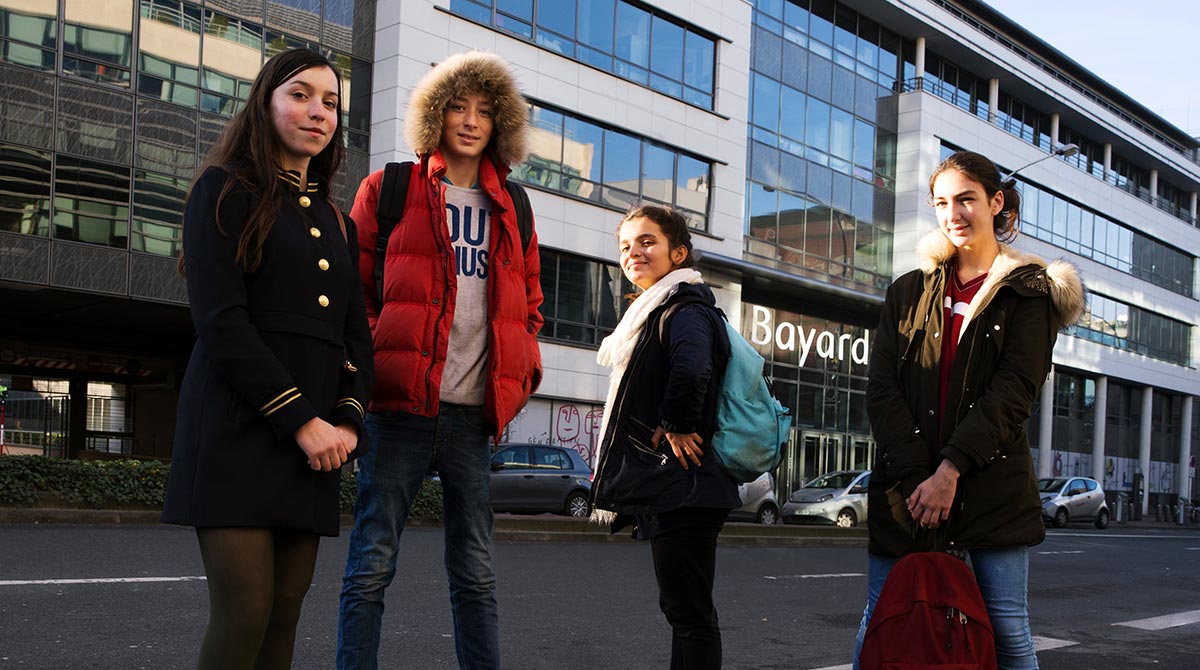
[655,469]
[272,402]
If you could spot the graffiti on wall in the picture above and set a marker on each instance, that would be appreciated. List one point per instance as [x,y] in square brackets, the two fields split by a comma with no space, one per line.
[563,423]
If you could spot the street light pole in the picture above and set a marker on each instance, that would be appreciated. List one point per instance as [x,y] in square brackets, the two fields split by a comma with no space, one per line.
[1065,150]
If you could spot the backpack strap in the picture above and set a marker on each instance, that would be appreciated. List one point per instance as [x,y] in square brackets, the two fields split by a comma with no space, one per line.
[389,209]
[523,210]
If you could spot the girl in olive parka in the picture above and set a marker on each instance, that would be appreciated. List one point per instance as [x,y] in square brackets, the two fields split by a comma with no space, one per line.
[963,346]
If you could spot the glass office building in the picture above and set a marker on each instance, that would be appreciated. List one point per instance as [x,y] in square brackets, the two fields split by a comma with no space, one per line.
[109,107]
[796,136]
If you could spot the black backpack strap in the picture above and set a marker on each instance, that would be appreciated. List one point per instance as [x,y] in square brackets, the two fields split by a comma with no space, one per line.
[389,209]
[523,210]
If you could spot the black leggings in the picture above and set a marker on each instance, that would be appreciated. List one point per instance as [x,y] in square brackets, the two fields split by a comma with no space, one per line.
[257,578]
[685,562]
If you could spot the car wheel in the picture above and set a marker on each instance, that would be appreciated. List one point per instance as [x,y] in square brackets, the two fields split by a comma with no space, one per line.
[1060,517]
[1102,519]
[847,519]
[768,515]
[577,505]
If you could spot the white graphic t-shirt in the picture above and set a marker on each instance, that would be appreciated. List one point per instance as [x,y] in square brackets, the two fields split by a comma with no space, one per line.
[469,217]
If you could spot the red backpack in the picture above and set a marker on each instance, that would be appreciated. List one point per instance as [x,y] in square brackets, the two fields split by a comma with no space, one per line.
[930,615]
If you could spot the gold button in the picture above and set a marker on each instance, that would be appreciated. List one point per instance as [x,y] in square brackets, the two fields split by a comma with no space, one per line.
[304,201]
[323,264]
[323,301]
[314,231]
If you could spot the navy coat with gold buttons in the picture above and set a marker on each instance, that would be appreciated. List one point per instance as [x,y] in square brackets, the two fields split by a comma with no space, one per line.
[275,348]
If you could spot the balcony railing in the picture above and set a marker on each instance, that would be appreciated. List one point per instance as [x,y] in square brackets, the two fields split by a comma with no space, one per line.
[958,98]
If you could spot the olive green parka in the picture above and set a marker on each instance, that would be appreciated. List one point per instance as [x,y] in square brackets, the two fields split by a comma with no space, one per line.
[1003,357]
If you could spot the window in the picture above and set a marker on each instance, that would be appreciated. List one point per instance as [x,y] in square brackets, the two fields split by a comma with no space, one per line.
[513,458]
[545,458]
[158,202]
[169,51]
[1116,324]
[29,35]
[1068,225]
[91,202]
[629,40]
[582,299]
[25,190]
[99,47]
[611,167]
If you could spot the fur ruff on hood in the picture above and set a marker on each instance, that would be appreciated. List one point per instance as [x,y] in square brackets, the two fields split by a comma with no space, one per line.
[1062,278]
[477,72]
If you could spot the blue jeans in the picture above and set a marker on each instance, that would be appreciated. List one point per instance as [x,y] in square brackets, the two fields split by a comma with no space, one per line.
[1003,578]
[389,476]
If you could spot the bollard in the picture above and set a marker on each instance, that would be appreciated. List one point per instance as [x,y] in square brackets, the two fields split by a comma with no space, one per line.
[1158,512]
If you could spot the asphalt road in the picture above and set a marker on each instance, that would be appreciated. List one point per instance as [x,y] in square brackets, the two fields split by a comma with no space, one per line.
[577,606]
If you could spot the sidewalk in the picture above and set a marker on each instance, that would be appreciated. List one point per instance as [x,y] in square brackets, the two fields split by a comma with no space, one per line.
[548,528]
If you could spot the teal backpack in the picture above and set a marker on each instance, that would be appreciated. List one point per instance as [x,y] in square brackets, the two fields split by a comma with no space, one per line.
[752,426]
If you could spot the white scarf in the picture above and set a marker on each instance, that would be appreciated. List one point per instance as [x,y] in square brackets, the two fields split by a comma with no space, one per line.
[617,348]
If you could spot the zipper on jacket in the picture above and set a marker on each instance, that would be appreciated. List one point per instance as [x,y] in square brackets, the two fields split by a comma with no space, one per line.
[637,444]
[635,359]
[949,626]
[439,202]
[962,619]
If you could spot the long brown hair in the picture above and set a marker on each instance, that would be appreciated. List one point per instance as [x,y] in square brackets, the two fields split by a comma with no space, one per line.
[979,168]
[249,150]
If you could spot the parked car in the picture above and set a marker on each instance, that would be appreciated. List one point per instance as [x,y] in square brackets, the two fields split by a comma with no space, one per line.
[532,478]
[758,501]
[838,498]
[1066,499]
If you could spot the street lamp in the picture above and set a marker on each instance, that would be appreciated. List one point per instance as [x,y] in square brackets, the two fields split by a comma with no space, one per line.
[1064,151]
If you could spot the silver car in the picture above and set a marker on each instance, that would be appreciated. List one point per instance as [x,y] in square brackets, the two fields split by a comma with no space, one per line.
[758,501]
[1066,499]
[839,498]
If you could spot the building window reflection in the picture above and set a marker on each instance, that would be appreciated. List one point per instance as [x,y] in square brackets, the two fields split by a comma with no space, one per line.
[91,202]
[613,168]
[99,45]
[582,298]
[25,190]
[1122,326]
[631,41]
[157,205]
[28,32]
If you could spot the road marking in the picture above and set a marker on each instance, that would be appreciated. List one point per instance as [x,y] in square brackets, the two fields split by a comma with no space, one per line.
[1193,548]
[1055,553]
[1048,643]
[1166,621]
[1039,644]
[103,580]
[828,576]
[1186,535]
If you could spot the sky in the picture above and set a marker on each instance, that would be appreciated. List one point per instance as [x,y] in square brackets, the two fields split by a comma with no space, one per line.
[1149,49]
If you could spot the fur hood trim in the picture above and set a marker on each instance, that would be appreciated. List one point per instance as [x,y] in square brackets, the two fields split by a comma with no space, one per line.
[1062,281]
[472,72]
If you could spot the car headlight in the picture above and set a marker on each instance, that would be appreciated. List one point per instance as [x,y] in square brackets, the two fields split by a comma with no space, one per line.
[824,498]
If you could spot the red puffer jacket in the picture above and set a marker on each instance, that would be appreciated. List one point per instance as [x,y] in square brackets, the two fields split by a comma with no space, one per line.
[412,327]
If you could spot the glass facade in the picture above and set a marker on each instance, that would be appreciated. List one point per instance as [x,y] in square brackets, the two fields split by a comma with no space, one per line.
[104,146]
[1068,225]
[633,41]
[612,167]
[1122,326]
[822,157]
[582,298]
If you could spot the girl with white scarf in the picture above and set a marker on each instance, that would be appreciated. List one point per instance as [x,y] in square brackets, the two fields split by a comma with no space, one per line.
[654,470]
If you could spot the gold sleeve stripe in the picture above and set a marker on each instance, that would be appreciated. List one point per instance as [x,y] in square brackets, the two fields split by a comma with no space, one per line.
[285,403]
[353,403]
[276,399]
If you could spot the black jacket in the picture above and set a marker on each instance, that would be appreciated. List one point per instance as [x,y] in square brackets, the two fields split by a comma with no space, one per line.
[271,353]
[1002,359]
[672,380]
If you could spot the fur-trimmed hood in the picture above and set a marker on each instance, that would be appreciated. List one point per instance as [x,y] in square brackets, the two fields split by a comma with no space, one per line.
[1061,279]
[472,72]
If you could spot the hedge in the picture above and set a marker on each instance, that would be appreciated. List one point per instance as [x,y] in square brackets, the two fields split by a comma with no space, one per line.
[130,483]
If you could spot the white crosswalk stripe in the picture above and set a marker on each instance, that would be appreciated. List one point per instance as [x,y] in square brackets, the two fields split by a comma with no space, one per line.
[825,576]
[1165,621]
[103,580]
